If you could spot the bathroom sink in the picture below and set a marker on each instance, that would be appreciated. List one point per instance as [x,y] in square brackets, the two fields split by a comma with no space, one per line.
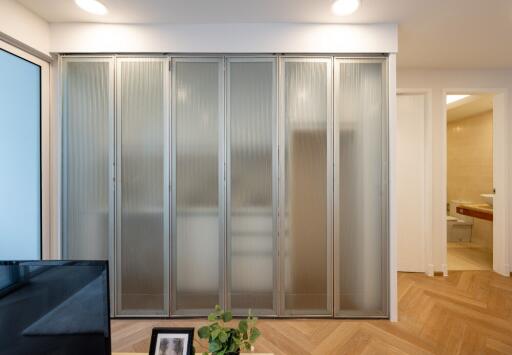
[488,198]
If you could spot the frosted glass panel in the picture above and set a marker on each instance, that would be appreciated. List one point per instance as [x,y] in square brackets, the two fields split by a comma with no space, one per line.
[251,239]
[361,212]
[197,242]
[307,91]
[141,234]
[20,158]
[86,120]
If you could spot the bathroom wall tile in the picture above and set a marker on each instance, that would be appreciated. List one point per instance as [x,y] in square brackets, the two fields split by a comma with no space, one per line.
[469,160]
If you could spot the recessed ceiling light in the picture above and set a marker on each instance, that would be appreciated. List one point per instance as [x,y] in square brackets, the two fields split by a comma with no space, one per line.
[345,7]
[92,6]
[450,99]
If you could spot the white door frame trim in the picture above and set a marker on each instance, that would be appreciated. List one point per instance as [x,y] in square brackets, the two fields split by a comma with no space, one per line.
[500,174]
[46,239]
[392,103]
[428,237]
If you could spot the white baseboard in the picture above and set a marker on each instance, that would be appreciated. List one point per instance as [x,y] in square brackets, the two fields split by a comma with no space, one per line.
[444,267]
[430,270]
[503,269]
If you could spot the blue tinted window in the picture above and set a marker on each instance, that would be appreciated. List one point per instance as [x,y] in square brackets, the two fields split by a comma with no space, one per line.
[20,158]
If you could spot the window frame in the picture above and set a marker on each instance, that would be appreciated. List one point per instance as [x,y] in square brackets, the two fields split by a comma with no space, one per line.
[44,142]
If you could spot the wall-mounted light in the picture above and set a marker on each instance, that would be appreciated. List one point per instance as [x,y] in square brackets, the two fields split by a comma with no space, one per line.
[93,6]
[345,7]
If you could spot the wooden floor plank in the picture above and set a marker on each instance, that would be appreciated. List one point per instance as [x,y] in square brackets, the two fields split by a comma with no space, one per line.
[468,312]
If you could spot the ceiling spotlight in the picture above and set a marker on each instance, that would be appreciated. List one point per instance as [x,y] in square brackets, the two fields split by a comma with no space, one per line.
[345,7]
[93,6]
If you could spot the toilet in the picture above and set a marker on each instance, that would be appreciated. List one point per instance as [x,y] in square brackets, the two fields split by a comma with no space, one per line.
[458,226]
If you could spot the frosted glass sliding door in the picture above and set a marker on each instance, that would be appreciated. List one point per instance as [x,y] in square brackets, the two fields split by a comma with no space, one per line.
[20,158]
[251,182]
[306,186]
[142,233]
[87,146]
[198,185]
[251,200]
[360,189]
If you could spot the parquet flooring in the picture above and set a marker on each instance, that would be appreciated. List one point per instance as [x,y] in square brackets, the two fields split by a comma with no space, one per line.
[468,312]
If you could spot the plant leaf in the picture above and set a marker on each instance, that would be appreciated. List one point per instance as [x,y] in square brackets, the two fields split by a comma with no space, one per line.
[214,347]
[255,333]
[223,337]
[203,332]
[215,333]
[243,326]
[218,312]
[227,316]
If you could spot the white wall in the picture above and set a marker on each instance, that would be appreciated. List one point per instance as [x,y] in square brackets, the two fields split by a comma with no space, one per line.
[24,26]
[223,38]
[437,81]
[410,181]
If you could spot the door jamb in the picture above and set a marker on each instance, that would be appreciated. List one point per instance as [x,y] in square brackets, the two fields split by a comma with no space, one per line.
[500,164]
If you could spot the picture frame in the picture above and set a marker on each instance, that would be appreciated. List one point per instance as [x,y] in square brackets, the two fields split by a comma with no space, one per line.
[171,341]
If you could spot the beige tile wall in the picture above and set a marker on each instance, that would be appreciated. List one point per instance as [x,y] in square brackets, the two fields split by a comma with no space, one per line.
[469,160]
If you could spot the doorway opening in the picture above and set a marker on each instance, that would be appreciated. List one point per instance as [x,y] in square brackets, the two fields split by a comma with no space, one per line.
[470,181]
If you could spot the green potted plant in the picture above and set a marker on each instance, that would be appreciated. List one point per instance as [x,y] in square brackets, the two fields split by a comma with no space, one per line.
[224,340]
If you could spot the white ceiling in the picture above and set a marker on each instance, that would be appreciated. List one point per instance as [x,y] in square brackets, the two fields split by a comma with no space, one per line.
[470,106]
[432,33]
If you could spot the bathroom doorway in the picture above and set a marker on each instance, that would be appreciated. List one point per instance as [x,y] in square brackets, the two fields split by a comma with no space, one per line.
[470,181]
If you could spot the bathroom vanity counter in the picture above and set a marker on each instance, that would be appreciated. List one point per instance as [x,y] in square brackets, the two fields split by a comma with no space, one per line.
[480,210]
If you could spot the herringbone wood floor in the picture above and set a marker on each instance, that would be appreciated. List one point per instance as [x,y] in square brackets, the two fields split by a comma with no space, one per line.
[469,312]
